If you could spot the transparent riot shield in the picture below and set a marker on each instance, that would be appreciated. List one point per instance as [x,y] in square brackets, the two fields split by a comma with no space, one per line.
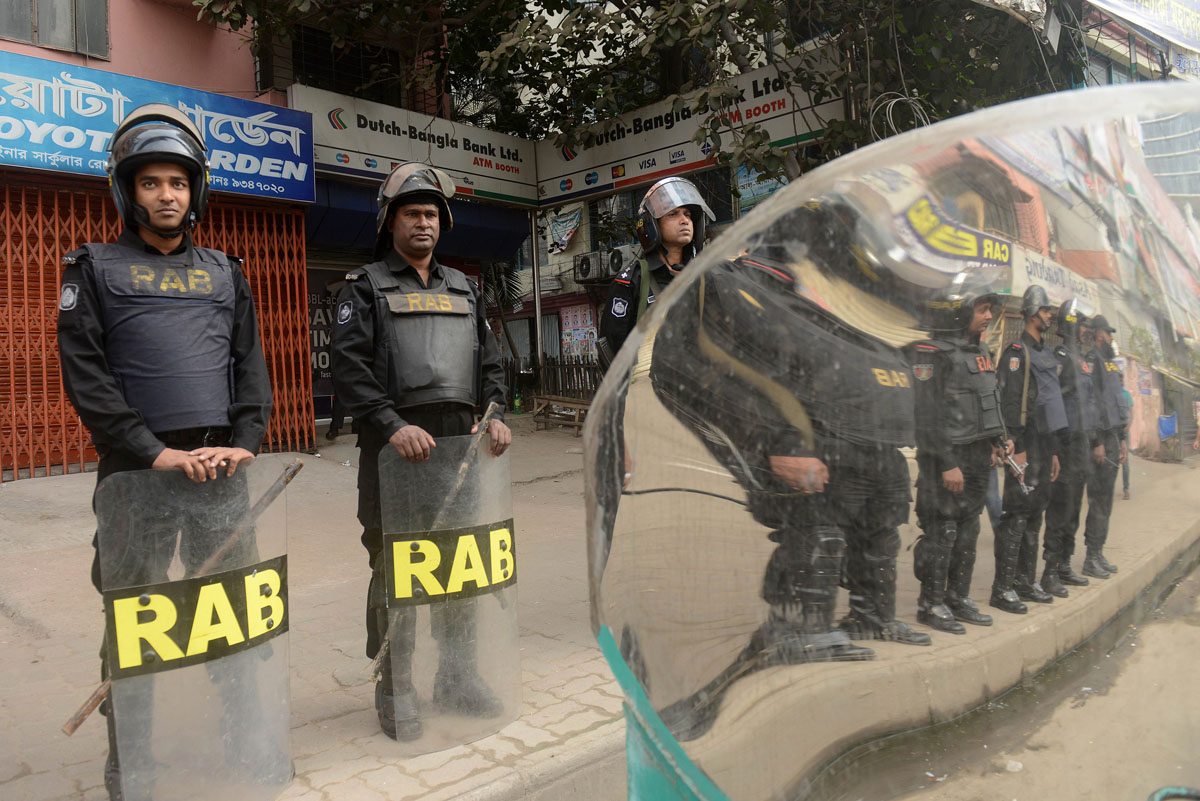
[792,571]
[194,577]
[451,577]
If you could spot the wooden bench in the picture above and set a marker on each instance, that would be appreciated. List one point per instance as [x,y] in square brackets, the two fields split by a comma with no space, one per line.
[571,412]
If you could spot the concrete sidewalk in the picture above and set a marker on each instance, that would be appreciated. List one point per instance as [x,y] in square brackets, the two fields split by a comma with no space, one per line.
[568,742]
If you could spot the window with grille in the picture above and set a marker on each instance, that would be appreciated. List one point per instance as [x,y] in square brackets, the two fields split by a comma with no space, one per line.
[80,26]
[362,70]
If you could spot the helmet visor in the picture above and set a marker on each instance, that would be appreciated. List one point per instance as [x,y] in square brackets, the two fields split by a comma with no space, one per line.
[415,177]
[671,193]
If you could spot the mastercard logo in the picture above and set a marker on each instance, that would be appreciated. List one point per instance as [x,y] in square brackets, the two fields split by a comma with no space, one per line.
[342,158]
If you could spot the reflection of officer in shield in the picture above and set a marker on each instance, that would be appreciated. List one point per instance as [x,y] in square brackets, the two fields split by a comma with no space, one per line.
[1078,447]
[958,431]
[161,359]
[1114,419]
[807,413]
[1032,406]
[413,357]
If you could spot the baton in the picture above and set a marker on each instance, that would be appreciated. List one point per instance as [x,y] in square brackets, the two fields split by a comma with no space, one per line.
[459,479]
[242,529]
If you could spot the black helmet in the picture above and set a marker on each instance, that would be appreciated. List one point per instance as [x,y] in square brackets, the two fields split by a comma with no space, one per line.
[664,197]
[1072,315]
[416,183]
[153,133]
[1035,298]
[952,307]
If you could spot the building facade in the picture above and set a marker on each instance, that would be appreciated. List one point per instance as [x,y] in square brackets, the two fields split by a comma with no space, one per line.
[62,97]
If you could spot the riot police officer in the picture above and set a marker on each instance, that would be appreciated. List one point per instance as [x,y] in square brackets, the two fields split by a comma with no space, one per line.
[1032,407]
[811,414]
[1078,445]
[1114,419]
[158,340]
[410,372]
[958,433]
[670,229]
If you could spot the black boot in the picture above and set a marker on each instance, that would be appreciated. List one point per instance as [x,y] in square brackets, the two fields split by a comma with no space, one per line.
[1033,593]
[466,693]
[801,586]
[1050,581]
[1007,601]
[396,706]
[791,637]
[863,627]
[940,618]
[1093,567]
[395,697]
[1007,547]
[967,611]
[458,686]
[1068,576]
[931,565]
[1107,565]
[871,576]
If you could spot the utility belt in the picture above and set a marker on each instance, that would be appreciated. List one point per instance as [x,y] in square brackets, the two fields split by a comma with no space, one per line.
[186,439]
[436,408]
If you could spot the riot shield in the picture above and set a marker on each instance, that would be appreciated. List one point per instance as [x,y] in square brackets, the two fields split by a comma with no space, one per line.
[787,617]
[451,577]
[196,645]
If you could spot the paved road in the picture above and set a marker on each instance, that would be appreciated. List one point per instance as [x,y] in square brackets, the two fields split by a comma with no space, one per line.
[50,624]
[569,740]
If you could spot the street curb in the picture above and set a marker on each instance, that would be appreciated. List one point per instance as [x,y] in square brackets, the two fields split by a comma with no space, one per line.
[589,767]
[819,712]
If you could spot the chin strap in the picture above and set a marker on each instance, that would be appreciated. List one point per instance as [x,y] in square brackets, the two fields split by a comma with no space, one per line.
[141,218]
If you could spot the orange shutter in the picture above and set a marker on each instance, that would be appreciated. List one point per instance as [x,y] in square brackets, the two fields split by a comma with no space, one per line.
[44,217]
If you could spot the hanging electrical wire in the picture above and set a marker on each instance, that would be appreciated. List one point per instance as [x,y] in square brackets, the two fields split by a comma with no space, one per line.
[884,120]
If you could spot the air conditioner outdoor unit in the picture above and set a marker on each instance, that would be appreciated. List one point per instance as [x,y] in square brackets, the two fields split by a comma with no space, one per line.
[589,266]
[620,257]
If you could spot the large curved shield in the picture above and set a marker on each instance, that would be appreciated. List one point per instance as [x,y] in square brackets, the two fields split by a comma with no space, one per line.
[450,548]
[787,618]
[194,578]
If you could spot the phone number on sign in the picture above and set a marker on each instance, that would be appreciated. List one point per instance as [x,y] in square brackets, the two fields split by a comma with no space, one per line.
[259,185]
[221,182]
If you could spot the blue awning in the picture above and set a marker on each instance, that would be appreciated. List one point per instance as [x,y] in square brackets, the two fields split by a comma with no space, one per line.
[343,218]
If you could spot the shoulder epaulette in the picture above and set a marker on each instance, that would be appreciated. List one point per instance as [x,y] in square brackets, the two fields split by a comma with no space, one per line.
[73,256]
[928,346]
[354,275]
[1016,346]
[1060,350]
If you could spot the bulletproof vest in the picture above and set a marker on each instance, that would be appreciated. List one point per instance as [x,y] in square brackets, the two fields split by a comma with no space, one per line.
[431,350]
[1050,411]
[972,408]
[168,328]
[1083,415]
[863,392]
[1116,412]
[852,388]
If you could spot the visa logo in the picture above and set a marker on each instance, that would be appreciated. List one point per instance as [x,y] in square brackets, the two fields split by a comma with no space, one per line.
[677,156]
[646,164]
